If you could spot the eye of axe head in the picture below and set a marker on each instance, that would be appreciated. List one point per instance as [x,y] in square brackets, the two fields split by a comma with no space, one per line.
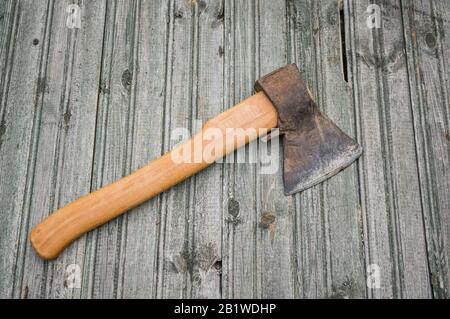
[314,147]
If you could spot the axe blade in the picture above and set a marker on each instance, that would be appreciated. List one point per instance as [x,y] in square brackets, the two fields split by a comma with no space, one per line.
[314,148]
[317,152]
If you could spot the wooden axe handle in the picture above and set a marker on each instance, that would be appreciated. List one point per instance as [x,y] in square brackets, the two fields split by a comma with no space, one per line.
[68,223]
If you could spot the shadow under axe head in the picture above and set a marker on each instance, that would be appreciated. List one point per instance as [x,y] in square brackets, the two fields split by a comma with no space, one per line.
[314,147]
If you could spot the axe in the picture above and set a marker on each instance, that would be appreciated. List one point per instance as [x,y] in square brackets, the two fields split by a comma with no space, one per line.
[314,149]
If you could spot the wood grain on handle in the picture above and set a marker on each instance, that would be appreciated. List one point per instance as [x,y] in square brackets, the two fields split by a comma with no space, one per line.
[70,222]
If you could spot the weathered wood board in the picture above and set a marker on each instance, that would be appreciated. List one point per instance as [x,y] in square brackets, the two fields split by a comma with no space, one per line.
[83,105]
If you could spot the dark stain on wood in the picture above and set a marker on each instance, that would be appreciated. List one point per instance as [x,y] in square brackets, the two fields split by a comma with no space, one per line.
[267,219]
[177,264]
[195,262]
[388,7]
[127,79]
[387,63]
[218,266]
[189,258]
[313,146]
[206,256]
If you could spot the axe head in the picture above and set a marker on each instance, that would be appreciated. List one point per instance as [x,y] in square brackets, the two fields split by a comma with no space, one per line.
[314,148]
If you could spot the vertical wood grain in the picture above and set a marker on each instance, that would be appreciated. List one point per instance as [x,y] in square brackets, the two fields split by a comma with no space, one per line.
[341,202]
[65,142]
[207,197]
[328,217]
[427,26]
[138,271]
[113,144]
[19,122]
[80,108]
[393,208]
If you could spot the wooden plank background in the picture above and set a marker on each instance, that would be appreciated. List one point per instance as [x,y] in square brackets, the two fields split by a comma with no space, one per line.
[82,107]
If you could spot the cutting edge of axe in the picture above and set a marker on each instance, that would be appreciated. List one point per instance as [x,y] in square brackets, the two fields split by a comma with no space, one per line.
[314,149]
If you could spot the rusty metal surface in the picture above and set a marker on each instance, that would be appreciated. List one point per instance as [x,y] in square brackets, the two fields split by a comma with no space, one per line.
[314,147]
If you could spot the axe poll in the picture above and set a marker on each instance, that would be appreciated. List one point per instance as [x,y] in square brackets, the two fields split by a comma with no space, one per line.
[314,149]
